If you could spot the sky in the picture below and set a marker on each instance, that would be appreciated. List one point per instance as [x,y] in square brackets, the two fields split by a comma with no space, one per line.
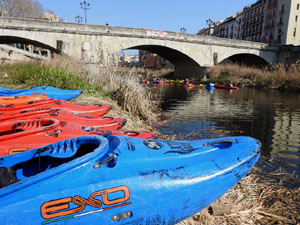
[166,15]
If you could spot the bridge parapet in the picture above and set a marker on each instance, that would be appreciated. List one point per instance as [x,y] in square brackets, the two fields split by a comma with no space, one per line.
[104,30]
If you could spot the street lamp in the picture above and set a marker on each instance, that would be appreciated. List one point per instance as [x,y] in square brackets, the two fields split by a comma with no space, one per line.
[85,6]
[209,22]
[182,30]
[78,19]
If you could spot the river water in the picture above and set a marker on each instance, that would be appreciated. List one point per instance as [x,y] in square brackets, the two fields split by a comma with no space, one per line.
[270,116]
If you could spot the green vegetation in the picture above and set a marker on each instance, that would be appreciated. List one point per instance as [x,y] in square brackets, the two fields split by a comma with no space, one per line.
[30,75]
[278,77]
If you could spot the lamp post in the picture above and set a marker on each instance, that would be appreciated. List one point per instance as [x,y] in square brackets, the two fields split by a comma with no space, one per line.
[85,6]
[182,30]
[209,22]
[78,19]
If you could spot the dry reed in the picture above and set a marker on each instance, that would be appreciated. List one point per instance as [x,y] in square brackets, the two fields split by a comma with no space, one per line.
[121,85]
[280,76]
[259,198]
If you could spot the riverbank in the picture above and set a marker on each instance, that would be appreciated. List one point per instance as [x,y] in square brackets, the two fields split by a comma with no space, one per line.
[259,198]
[279,77]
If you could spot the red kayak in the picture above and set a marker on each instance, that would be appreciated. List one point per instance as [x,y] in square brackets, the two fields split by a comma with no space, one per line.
[88,110]
[106,123]
[162,82]
[21,135]
[225,87]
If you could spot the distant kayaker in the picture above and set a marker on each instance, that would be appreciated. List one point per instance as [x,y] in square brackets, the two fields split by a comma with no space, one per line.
[187,81]
[229,84]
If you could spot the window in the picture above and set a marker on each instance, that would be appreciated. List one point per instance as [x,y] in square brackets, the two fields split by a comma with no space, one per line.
[297,6]
[280,20]
[294,34]
[296,18]
[274,12]
[271,33]
[282,9]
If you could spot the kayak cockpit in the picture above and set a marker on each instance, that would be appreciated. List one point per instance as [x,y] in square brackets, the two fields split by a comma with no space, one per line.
[18,167]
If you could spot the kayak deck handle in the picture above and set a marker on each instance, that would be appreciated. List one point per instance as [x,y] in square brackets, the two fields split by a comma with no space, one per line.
[6,106]
[53,133]
[230,142]
[53,114]
[101,163]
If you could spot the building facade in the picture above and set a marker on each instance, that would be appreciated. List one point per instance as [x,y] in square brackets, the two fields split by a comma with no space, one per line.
[253,18]
[287,24]
[269,21]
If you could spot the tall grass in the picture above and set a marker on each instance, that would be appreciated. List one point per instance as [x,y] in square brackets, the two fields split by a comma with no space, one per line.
[121,86]
[278,77]
[31,75]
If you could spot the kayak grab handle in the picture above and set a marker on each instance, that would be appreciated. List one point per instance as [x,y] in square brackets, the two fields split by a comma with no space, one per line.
[101,163]
[131,133]
[6,106]
[220,142]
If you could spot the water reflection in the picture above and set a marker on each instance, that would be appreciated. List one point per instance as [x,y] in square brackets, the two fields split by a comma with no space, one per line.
[270,116]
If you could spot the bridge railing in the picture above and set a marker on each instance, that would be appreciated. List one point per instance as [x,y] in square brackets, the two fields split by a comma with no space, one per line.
[80,28]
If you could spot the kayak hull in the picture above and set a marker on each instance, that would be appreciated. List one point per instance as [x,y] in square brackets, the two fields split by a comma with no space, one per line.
[22,135]
[83,109]
[107,123]
[210,87]
[161,182]
[21,99]
[225,87]
[48,91]
[190,85]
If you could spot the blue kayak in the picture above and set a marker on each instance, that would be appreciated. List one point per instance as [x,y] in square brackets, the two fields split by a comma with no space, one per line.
[50,92]
[120,180]
[208,87]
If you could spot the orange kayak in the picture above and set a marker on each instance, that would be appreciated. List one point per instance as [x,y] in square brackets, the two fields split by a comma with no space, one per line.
[88,110]
[21,99]
[21,135]
[106,123]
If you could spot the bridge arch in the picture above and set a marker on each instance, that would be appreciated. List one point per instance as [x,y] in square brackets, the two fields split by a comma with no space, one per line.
[22,40]
[177,58]
[246,59]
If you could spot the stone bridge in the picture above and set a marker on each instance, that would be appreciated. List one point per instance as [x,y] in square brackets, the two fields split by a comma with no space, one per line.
[97,44]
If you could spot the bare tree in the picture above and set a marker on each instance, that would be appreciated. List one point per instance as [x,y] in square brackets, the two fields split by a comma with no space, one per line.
[22,8]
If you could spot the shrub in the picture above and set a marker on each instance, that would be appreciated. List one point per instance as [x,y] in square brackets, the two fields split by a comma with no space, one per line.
[31,75]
